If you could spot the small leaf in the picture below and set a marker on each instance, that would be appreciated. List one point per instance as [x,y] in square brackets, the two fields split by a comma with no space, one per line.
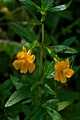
[34,86]
[26,110]
[33,44]
[49,72]
[49,90]
[51,102]
[30,4]
[47,3]
[69,41]
[15,82]
[17,96]
[50,75]
[16,118]
[50,68]
[51,53]
[27,101]
[38,116]
[60,7]
[62,49]
[57,116]
[54,115]
[23,32]
[7,84]
[63,105]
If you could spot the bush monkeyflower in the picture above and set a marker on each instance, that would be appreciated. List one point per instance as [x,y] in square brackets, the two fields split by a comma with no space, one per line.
[62,70]
[25,61]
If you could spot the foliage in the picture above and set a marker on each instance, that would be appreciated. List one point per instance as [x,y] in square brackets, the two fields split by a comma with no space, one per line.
[47,28]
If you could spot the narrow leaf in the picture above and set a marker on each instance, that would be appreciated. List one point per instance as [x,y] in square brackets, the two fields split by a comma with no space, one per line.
[47,3]
[62,49]
[49,90]
[33,44]
[34,86]
[38,116]
[30,4]
[49,72]
[63,105]
[23,32]
[57,116]
[50,75]
[15,82]
[69,41]
[54,115]
[17,96]
[52,102]
[60,7]
[50,68]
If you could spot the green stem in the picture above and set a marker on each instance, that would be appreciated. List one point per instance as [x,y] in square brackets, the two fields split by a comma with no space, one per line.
[41,53]
[41,49]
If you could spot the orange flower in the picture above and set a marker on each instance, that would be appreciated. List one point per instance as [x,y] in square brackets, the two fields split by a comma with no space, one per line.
[62,71]
[25,61]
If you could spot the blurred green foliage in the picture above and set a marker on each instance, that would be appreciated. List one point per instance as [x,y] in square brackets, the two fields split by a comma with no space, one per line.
[61,28]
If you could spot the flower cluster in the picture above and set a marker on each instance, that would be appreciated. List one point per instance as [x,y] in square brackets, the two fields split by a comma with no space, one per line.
[62,71]
[25,61]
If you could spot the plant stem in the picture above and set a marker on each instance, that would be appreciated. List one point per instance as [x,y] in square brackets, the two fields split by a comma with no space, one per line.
[41,49]
[41,53]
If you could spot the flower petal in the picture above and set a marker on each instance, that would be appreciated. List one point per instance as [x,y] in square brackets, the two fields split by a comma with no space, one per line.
[31,67]
[17,64]
[24,67]
[29,52]
[30,59]
[57,66]
[20,55]
[66,64]
[56,76]
[24,49]
[68,73]
[62,77]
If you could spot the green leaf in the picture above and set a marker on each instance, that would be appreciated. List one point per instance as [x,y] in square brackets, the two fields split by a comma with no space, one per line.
[10,118]
[33,44]
[34,86]
[50,68]
[72,112]
[27,101]
[26,110]
[17,96]
[49,90]
[15,82]
[51,53]
[23,32]
[7,85]
[51,102]
[16,118]
[63,105]
[62,49]
[49,73]
[46,3]
[69,41]
[30,4]
[60,7]
[54,115]
[38,116]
